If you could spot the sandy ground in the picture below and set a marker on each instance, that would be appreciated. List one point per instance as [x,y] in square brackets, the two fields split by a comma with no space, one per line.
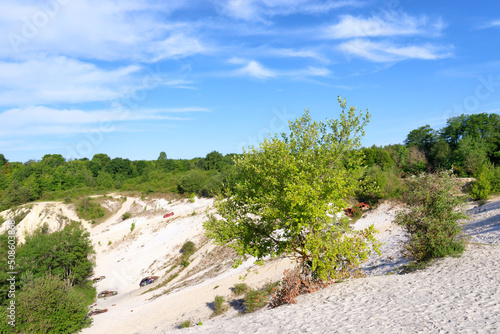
[454,295]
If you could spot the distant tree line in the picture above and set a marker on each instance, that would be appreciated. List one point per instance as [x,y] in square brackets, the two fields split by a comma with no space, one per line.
[468,144]
[53,177]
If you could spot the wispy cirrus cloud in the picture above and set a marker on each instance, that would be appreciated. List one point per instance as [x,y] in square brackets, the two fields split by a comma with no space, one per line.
[41,120]
[389,52]
[260,10]
[491,24]
[253,68]
[45,80]
[388,24]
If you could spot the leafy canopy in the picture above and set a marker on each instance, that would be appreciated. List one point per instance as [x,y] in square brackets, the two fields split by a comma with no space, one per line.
[287,192]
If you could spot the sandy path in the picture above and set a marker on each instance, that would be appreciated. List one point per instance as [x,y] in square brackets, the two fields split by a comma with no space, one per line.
[457,295]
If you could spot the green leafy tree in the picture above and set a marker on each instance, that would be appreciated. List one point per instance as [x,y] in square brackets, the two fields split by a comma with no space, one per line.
[424,138]
[433,217]
[3,160]
[65,253]
[469,156]
[287,193]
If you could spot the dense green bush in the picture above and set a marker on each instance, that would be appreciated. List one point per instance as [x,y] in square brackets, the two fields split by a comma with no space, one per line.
[65,253]
[88,210]
[240,288]
[432,217]
[188,248]
[126,215]
[481,188]
[49,304]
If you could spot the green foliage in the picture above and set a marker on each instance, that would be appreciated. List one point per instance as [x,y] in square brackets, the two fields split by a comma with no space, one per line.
[88,210]
[433,216]
[126,215]
[257,299]
[379,184]
[64,253]
[423,138]
[188,248]
[219,306]
[481,188]
[132,227]
[48,304]
[285,190]
[240,288]
[185,324]
[495,179]
[469,156]
[192,198]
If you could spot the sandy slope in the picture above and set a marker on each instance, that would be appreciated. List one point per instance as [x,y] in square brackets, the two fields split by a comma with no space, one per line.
[457,295]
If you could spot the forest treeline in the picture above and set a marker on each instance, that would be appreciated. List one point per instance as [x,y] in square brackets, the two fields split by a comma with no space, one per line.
[468,144]
[55,178]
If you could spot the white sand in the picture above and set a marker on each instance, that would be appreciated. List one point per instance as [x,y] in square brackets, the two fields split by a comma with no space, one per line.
[456,295]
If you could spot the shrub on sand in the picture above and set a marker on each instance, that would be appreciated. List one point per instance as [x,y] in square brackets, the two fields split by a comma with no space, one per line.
[432,217]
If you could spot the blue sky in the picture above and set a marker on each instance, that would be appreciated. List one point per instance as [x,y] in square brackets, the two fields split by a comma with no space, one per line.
[134,78]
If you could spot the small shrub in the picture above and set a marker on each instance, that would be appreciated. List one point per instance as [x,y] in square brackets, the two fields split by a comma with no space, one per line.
[481,188]
[109,242]
[432,219]
[192,198]
[88,210]
[132,227]
[126,215]
[185,324]
[185,263]
[200,323]
[240,288]
[194,213]
[257,299]
[188,248]
[219,306]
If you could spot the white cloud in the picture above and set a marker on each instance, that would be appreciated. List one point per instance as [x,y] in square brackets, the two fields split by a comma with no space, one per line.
[59,79]
[40,120]
[388,24]
[256,70]
[389,52]
[96,29]
[259,10]
[492,24]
